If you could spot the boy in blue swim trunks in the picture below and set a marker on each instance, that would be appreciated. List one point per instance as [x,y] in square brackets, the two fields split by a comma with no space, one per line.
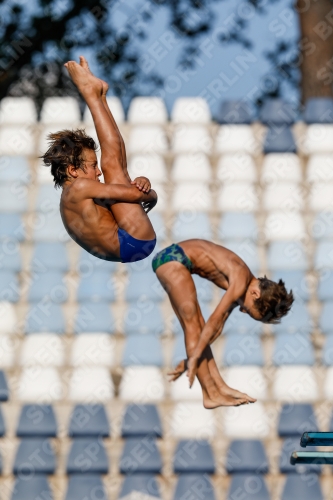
[264,300]
[108,220]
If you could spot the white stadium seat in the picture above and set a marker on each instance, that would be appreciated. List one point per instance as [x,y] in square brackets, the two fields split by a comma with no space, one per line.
[180,390]
[246,422]
[43,143]
[248,379]
[281,167]
[44,174]
[17,111]
[151,166]
[318,139]
[283,196]
[40,385]
[190,110]
[295,384]
[91,384]
[42,349]
[284,226]
[162,199]
[148,139]
[142,384]
[116,109]
[328,384]
[238,197]
[191,139]
[192,196]
[320,168]
[8,318]
[320,197]
[147,110]
[7,351]
[17,140]
[191,167]
[92,349]
[235,167]
[59,110]
[190,420]
[236,138]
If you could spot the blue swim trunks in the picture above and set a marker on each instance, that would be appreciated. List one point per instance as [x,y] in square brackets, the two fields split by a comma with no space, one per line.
[173,253]
[131,249]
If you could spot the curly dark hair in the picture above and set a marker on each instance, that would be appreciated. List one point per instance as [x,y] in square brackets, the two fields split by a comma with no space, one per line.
[274,301]
[66,149]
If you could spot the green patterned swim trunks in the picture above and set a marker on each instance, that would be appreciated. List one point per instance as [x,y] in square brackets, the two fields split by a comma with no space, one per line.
[172,253]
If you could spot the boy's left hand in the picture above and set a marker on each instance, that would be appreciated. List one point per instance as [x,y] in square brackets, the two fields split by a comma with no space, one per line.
[142,183]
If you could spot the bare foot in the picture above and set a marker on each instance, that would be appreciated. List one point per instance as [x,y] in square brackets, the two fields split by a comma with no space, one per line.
[211,403]
[84,64]
[228,391]
[85,81]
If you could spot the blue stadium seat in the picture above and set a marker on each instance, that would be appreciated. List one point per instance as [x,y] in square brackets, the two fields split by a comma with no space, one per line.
[322,227]
[143,320]
[45,317]
[9,286]
[96,317]
[31,488]
[239,322]
[242,349]
[206,311]
[325,286]
[179,350]
[142,350]
[288,446]
[236,112]
[297,487]
[294,349]
[144,286]
[89,420]
[246,456]
[4,391]
[48,198]
[193,456]
[327,356]
[194,487]
[48,284]
[248,487]
[37,420]
[97,287]
[294,280]
[49,227]
[279,140]
[191,225]
[89,264]
[140,420]
[298,320]
[237,226]
[10,257]
[204,288]
[2,424]
[277,112]
[87,456]
[158,225]
[14,169]
[296,418]
[13,199]
[146,484]
[324,255]
[50,256]
[248,251]
[140,456]
[87,486]
[326,317]
[34,454]
[319,110]
[288,255]
[11,226]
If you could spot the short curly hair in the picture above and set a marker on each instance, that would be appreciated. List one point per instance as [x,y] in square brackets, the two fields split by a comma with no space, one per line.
[66,149]
[274,301]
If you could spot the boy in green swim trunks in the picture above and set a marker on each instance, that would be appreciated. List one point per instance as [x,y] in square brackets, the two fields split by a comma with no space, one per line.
[264,300]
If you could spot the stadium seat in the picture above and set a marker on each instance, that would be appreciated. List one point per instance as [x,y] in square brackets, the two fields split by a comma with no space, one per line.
[17,110]
[97,287]
[7,351]
[144,384]
[242,350]
[322,227]
[147,139]
[288,255]
[248,486]
[42,349]
[248,379]
[194,486]
[93,384]
[242,323]
[246,422]
[144,286]
[48,199]
[283,196]
[236,112]
[89,420]
[320,196]
[246,250]
[61,110]
[190,110]
[236,139]
[246,456]
[143,319]
[191,167]
[87,456]
[191,197]
[160,228]
[88,265]
[85,486]
[17,140]
[295,419]
[278,167]
[37,420]
[50,256]
[237,226]
[44,175]
[140,484]
[318,139]
[295,384]
[323,259]
[191,139]
[163,199]
[15,169]
[149,110]
[93,349]
[151,166]
[234,167]
[45,317]
[320,168]
[34,454]
[8,318]
[145,350]
[4,391]
[190,419]
[326,317]
[296,487]
[180,391]
[328,384]
[2,430]
[289,445]
[140,420]
[319,110]
[279,140]
[49,227]
[31,488]
[295,281]
[9,286]
[277,112]
[179,351]
[237,197]
[115,106]
[325,286]
[140,456]
[10,256]
[12,227]
[298,320]
[50,285]
[39,384]
[294,349]
[94,317]
[193,457]
[13,198]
